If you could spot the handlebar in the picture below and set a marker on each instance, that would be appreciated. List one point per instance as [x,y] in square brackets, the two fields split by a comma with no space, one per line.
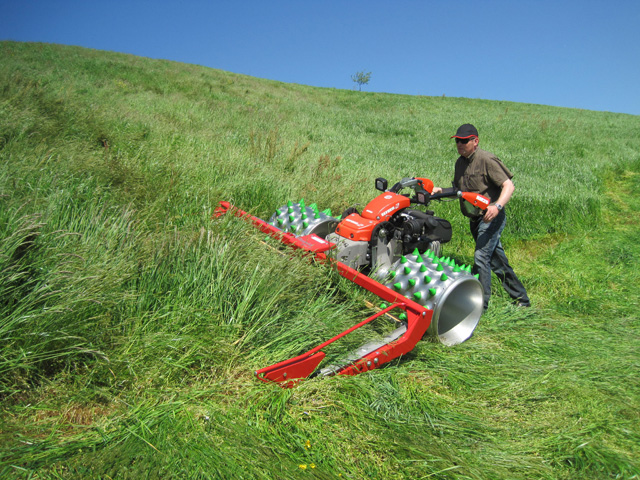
[405,183]
[446,193]
[423,197]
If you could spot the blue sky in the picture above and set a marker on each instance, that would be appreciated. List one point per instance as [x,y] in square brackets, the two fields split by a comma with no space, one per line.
[579,54]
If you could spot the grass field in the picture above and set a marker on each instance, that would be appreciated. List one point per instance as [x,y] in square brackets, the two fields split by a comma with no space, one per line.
[131,322]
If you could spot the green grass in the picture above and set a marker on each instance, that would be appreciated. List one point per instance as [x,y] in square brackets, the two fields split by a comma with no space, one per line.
[131,322]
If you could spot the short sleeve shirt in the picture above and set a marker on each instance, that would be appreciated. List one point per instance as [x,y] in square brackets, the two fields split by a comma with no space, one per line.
[482,173]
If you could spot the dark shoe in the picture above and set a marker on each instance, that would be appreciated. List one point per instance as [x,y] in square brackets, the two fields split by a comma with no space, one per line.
[522,304]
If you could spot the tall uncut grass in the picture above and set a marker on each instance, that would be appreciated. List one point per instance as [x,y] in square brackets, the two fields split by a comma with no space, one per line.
[131,321]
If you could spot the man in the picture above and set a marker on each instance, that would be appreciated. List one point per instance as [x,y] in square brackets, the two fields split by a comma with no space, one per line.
[479,171]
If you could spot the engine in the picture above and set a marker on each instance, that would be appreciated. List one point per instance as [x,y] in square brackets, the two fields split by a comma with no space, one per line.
[420,230]
[380,245]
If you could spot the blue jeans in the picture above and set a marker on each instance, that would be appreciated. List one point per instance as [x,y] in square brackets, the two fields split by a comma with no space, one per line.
[489,256]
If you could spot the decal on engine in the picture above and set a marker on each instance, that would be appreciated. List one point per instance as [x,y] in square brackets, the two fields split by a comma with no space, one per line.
[389,210]
[353,221]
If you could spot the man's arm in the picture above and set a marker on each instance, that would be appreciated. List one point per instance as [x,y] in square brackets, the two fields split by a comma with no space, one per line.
[505,195]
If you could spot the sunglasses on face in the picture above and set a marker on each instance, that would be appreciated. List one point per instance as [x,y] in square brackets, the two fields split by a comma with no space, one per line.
[463,141]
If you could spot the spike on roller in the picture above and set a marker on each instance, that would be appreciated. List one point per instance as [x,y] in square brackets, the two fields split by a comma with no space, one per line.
[302,205]
[393,274]
[383,306]
[280,221]
[423,268]
[304,216]
[416,252]
[397,286]
[456,269]
[440,268]
[404,259]
[305,224]
[402,316]
[427,279]
[327,211]
[417,295]
[412,282]
[444,277]
[407,270]
[292,218]
[432,292]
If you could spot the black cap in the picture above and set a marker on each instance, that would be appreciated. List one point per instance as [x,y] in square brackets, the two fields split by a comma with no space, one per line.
[466,131]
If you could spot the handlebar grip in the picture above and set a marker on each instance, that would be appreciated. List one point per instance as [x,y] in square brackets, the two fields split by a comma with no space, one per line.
[446,192]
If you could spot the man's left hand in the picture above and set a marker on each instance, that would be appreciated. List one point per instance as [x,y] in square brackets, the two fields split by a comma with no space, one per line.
[491,213]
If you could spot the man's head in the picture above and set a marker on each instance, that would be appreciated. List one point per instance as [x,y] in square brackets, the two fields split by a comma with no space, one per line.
[466,139]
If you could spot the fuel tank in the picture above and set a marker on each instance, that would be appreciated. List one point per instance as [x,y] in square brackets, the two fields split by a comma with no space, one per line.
[360,227]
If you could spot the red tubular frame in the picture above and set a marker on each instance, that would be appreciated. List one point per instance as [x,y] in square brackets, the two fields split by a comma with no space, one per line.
[290,372]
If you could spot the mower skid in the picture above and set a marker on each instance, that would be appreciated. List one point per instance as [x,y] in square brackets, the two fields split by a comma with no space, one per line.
[290,372]
[368,357]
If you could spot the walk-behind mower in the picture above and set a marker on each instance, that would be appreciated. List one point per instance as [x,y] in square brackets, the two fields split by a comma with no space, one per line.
[392,250]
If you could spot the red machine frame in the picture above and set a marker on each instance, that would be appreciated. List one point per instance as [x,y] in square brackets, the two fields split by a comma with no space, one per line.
[289,372]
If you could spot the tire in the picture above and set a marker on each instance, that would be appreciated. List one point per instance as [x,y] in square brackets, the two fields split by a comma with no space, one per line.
[348,212]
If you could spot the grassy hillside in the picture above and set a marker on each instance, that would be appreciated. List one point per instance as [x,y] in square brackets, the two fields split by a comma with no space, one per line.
[131,321]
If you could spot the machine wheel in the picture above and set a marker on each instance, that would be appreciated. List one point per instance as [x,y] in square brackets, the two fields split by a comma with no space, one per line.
[349,211]
[302,220]
[450,290]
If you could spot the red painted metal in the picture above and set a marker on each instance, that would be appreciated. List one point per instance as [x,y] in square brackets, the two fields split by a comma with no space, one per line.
[426,184]
[356,228]
[384,206]
[476,200]
[289,372]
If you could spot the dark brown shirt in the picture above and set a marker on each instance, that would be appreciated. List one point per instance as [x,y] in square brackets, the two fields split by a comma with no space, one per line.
[482,173]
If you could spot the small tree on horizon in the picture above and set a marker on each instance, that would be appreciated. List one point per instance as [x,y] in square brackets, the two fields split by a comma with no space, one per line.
[361,78]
